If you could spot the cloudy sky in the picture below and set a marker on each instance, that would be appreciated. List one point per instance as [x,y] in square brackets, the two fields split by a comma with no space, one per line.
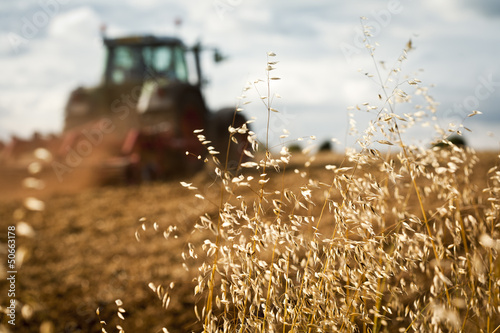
[49,47]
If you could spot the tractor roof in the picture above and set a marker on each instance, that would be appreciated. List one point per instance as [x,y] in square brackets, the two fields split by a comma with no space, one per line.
[142,40]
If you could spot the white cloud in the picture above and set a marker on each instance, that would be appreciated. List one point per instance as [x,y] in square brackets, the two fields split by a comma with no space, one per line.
[38,82]
[76,25]
[455,45]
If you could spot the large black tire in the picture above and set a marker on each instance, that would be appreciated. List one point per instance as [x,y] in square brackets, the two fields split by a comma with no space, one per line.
[192,115]
[219,134]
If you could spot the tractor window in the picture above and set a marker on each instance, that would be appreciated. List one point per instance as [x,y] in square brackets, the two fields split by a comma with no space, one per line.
[162,60]
[125,65]
[135,63]
[180,62]
[158,61]
[165,61]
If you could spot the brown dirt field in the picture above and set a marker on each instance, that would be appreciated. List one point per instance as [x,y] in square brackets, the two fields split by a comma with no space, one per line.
[84,253]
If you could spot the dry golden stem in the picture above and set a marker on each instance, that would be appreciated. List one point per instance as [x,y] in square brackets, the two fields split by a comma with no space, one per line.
[360,282]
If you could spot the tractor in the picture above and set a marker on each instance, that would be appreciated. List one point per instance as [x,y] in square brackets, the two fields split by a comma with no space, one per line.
[139,122]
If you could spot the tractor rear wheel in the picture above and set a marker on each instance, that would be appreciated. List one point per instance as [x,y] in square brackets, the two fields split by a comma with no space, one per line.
[231,152]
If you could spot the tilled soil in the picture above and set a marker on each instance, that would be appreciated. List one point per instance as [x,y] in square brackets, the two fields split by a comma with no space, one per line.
[94,247]
[85,255]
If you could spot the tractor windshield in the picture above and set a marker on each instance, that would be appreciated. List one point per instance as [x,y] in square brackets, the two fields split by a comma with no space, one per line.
[132,63]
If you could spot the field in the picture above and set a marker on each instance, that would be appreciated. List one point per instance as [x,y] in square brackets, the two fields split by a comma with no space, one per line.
[388,237]
[86,250]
